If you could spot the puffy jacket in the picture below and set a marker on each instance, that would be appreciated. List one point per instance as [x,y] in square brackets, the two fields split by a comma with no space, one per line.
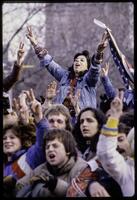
[87,83]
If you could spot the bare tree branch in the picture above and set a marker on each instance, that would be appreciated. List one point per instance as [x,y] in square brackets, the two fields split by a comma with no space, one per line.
[10,11]
[20,28]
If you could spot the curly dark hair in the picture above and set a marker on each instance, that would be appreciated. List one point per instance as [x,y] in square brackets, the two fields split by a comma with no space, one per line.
[26,133]
[81,141]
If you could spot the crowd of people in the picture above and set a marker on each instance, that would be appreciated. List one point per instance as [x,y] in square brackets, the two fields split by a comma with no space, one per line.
[68,145]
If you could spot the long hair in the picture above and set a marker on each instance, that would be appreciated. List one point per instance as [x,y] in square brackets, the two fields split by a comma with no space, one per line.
[71,69]
[81,141]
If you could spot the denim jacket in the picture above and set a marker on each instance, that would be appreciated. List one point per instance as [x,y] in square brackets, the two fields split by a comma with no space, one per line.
[87,83]
[108,87]
[128,99]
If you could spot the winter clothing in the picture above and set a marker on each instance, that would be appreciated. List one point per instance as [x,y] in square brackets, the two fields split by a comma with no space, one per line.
[88,154]
[109,89]
[93,172]
[122,170]
[10,80]
[86,83]
[64,175]
[128,99]
[24,161]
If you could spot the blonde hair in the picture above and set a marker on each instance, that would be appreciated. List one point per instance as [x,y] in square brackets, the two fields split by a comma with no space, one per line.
[57,109]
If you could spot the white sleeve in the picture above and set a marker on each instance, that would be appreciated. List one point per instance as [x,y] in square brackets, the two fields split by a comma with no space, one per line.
[112,161]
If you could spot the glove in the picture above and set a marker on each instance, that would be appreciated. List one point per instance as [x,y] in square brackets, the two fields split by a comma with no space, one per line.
[49,180]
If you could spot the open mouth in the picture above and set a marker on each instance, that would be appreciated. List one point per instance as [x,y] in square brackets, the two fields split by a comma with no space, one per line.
[8,146]
[51,156]
[120,150]
[85,130]
[77,65]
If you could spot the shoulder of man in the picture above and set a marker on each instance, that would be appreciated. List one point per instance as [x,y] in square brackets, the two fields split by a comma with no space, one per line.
[80,164]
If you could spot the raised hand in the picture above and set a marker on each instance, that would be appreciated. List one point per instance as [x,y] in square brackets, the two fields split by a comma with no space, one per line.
[35,105]
[51,90]
[15,105]
[116,105]
[20,54]
[31,36]
[103,43]
[21,108]
[40,51]
[101,46]
[105,70]
[74,100]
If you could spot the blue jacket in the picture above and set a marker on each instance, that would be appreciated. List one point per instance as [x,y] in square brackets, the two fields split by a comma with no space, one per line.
[86,83]
[24,161]
[108,87]
[128,99]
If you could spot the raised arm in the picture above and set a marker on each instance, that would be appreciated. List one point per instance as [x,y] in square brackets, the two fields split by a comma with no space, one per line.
[51,92]
[46,60]
[36,154]
[108,87]
[10,80]
[92,75]
[112,161]
[21,108]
